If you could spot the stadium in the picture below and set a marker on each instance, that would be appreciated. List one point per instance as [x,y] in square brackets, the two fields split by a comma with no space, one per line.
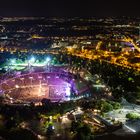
[33,82]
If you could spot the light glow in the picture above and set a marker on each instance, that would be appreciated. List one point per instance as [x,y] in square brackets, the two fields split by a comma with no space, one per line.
[48,59]
[32,60]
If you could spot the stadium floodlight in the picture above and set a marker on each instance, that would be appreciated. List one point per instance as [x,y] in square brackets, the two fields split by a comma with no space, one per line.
[48,59]
[32,60]
[13,61]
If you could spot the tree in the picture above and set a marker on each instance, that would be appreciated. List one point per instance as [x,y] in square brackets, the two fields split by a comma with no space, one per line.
[132,116]
[22,134]
[75,126]
[116,105]
[84,133]
[106,107]
[1,99]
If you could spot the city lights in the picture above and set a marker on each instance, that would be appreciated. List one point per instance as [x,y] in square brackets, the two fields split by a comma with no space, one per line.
[63,78]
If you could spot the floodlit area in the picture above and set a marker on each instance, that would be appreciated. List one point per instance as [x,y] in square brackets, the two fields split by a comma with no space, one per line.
[129,126]
[69,78]
[52,83]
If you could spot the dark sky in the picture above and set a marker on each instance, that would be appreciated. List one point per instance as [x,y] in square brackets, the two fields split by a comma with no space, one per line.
[67,8]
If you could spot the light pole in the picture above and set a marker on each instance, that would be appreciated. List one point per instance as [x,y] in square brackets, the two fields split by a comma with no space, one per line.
[30,62]
[47,63]
[12,62]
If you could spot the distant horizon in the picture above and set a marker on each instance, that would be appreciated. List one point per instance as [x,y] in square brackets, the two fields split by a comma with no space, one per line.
[70,17]
[69,8]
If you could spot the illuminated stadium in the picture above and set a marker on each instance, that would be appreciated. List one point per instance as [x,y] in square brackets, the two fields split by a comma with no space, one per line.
[38,81]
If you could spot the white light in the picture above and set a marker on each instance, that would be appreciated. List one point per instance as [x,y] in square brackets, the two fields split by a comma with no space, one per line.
[48,59]
[40,77]
[30,77]
[17,86]
[99,86]
[58,135]
[22,78]
[13,61]
[50,117]
[11,101]
[32,60]
[78,109]
[40,137]
[130,128]
[68,91]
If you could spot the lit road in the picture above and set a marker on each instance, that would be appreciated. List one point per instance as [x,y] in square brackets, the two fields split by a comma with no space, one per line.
[103,56]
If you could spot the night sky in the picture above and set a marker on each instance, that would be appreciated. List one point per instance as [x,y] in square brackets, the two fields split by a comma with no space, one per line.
[61,8]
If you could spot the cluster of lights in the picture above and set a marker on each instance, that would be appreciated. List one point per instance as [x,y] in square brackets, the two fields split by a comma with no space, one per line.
[13,61]
[48,59]
[30,61]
